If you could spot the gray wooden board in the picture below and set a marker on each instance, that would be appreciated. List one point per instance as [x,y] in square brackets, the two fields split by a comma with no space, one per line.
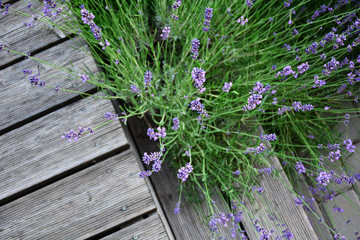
[21,39]
[35,152]
[188,224]
[21,100]
[148,228]
[278,201]
[81,205]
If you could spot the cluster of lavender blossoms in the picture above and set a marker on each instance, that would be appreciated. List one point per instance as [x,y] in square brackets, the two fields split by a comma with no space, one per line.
[349,145]
[196,105]
[300,167]
[256,96]
[165,33]
[176,4]
[147,78]
[259,149]
[84,77]
[268,137]
[111,116]
[198,75]
[88,18]
[195,44]
[154,158]
[34,80]
[184,172]
[227,86]
[208,16]
[50,10]
[75,135]
[176,124]
[155,136]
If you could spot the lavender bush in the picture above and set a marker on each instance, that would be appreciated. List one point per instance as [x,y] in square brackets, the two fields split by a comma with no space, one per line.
[210,73]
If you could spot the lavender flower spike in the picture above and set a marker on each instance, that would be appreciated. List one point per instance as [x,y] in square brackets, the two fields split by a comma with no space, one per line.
[208,16]
[198,75]
[147,78]
[165,33]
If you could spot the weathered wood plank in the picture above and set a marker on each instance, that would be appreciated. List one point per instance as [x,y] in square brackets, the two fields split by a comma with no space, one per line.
[188,224]
[148,228]
[81,205]
[278,202]
[21,39]
[34,152]
[21,100]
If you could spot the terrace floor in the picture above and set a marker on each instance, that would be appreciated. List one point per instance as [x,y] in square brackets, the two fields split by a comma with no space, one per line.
[89,189]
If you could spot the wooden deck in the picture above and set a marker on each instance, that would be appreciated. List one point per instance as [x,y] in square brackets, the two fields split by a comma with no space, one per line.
[90,189]
[50,188]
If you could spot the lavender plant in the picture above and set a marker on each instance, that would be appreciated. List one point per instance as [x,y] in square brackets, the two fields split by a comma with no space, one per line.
[211,73]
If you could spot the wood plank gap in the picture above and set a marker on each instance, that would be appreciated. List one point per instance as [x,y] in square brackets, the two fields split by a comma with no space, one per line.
[64,175]
[10,2]
[129,135]
[128,223]
[37,51]
[46,112]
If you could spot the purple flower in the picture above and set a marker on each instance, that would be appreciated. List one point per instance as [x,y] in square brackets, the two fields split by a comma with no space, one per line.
[165,33]
[198,75]
[177,208]
[175,17]
[338,209]
[184,172]
[349,145]
[334,155]
[250,3]
[290,22]
[323,178]
[34,80]
[161,132]
[151,134]
[134,89]
[75,135]
[147,78]
[318,83]
[242,20]
[347,118]
[287,4]
[86,16]
[300,167]
[227,86]
[145,174]
[237,172]
[111,116]
[176,5]
[176,124]
[268,137]
[303,67]
[84,77]
[332,65]
[153,157]
[299,201]
[195,44]
[104,45]
[208,16]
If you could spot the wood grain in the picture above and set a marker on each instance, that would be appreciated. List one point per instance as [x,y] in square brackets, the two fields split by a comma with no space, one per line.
[278,201]
[148,228]
[21,100]
[34,152]
[18,37]
[81,205]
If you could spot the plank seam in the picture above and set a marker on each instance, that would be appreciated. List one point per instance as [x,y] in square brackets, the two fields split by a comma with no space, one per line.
[63,175]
